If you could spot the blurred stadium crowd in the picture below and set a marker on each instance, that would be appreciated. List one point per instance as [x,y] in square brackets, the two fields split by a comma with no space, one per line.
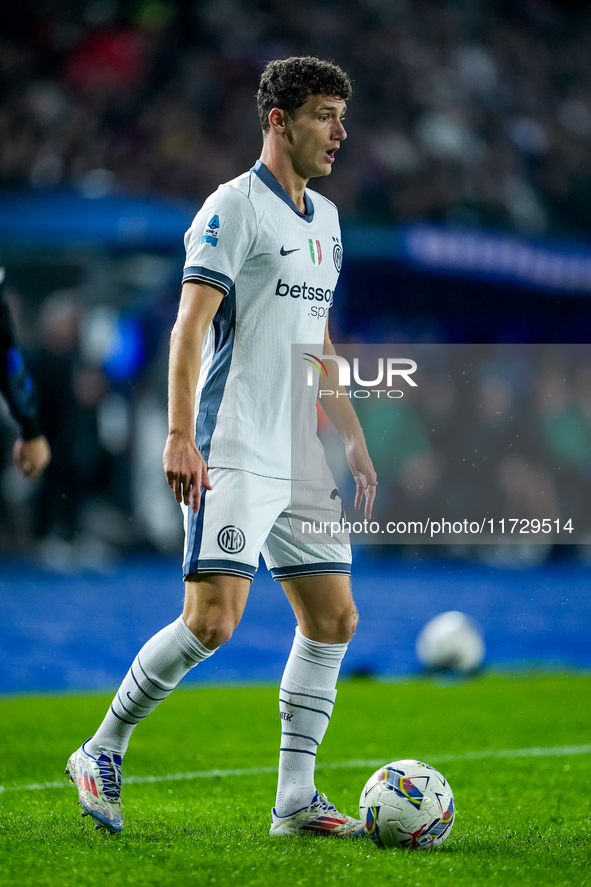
[472,112]
[475,112]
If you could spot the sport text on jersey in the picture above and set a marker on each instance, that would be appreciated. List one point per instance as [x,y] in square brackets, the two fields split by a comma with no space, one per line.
[307,293]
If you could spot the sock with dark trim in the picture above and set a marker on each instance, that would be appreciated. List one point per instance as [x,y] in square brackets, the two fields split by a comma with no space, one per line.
[155,672]
[306,700]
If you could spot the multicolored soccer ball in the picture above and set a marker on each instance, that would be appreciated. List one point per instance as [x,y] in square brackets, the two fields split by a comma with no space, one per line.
[407,804]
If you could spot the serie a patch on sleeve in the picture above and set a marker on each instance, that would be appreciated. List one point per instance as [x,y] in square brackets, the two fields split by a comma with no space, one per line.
[210,235]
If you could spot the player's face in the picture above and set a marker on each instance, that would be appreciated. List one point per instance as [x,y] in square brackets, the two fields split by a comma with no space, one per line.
[315,133]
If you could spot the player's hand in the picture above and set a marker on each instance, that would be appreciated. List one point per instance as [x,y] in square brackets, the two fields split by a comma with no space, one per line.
[31,457]
[362,469]
[185,469]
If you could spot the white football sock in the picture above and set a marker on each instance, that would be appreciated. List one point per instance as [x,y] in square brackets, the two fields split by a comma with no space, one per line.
[306,700]
[155,672]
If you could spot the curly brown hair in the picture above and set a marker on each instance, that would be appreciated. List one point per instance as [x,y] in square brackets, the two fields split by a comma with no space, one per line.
[287,83]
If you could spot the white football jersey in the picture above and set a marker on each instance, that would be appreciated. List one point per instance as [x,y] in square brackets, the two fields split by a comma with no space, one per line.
[278,269]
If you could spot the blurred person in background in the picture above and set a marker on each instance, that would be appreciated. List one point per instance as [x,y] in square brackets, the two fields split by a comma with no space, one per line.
[31,451]
[57,332]
[69,393]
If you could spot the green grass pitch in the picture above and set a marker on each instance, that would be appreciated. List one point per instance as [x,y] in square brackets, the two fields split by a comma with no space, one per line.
[522,819]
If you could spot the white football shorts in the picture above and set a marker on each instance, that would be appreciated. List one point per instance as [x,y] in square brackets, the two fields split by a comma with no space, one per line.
[245,514]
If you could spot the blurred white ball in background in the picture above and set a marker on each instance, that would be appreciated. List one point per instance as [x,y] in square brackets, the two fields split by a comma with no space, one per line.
[451,642]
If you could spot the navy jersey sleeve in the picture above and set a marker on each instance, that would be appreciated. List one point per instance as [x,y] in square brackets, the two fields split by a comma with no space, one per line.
[15,382]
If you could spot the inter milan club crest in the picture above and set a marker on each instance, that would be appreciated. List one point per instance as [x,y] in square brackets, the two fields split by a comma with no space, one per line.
[231,540]
[337,255]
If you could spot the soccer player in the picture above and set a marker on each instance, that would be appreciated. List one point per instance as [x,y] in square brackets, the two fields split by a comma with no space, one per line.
[263,258]
[31,452]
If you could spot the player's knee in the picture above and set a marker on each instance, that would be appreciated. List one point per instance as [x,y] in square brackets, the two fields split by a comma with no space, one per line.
[213,630]
[214,636]
[340,626]
[347,623]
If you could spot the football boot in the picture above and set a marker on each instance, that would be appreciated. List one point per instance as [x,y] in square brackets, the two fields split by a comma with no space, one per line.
[320,818]
[98,781]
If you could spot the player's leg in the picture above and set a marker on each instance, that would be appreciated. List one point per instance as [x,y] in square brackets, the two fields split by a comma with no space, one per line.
[327,617]
[219,563]
[323,606]
[213,608]
[316,579]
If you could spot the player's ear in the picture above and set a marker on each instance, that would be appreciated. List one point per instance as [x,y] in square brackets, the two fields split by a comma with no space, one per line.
[277,120]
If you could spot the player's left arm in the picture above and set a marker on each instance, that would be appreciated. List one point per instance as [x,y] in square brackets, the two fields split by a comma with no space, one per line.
[343,417]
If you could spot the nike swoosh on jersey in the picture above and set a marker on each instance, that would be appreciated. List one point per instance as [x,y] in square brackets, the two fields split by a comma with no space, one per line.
[286,252]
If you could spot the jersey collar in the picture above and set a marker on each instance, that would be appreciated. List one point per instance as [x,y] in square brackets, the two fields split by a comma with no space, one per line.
[267,177]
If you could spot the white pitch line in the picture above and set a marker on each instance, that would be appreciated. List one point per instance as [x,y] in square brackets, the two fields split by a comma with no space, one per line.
[556,751]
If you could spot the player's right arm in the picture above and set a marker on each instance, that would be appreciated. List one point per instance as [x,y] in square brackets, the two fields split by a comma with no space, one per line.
[184,466]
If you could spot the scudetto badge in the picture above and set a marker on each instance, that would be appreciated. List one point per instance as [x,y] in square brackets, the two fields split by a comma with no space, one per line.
[231,540]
